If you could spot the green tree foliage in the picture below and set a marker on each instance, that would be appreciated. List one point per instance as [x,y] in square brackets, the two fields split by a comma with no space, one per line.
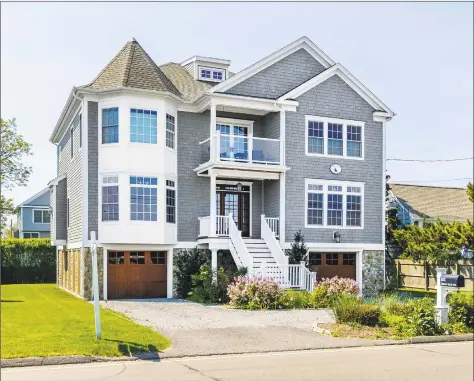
[13,149]
[438,242]
[298,251]
[470,191]
[392,224]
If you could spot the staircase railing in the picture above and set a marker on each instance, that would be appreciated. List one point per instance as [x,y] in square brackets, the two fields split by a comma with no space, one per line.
[274,225]
[289,276]
[237,247]
[269,237]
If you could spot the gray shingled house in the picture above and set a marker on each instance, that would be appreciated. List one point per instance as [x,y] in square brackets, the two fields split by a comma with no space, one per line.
[156,159]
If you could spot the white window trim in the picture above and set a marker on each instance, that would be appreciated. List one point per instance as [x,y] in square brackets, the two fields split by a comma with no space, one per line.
[102,184]
[42,218]
[100,127]
[212,70]
[345,123]
[175,203]
[325,184]
[157,186]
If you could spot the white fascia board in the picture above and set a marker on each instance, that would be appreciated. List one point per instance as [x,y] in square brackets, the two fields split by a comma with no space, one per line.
[32,198]
[253,103]
[348,78]
[206,59]
[302,43]
[65,117]
[130,90]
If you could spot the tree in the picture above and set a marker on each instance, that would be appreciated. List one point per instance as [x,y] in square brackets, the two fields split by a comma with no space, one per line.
[298,251]
[392,223]
[439,242]
[13,149]
[470,191]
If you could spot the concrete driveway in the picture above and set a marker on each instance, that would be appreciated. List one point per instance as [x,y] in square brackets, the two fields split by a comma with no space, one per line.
[196,329]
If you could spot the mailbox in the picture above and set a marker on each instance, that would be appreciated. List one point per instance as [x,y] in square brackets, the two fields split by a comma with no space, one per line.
[452,280]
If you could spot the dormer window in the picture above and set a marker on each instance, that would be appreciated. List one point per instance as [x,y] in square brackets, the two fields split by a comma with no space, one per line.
[211,74]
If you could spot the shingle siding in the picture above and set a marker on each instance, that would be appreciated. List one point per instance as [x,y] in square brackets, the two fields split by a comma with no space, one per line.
[61,210]
[272,198]
[93,167]
[73,169]
[334,98]
[281,77]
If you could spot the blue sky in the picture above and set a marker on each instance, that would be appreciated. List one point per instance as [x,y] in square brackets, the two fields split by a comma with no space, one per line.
[416,57]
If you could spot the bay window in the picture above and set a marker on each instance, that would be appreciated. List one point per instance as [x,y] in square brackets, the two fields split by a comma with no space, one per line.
[334,204]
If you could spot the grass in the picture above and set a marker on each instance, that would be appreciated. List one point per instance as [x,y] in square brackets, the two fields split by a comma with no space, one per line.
[41,320]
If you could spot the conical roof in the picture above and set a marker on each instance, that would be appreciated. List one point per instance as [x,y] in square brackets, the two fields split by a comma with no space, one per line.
[133,67]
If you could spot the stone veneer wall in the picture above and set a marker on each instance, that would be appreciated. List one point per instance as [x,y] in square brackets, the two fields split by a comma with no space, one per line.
[372,272]
[88,272]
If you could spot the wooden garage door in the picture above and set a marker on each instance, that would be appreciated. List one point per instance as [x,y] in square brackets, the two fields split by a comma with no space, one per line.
[136,274]
[328,265]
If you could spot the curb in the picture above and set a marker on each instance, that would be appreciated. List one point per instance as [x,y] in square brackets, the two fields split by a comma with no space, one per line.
[78,359]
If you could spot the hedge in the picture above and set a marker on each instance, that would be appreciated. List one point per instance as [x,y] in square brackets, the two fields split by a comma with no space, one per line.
[28,260]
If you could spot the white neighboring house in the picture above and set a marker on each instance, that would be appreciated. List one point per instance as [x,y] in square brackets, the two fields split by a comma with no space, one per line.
[156,159]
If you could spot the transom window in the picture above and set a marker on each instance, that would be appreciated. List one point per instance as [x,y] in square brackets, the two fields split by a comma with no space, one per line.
[170,131]
[334,204]
[110,125]
[170,202]
[143,126]
[143,198]
[110,198]
[211,74]
[41,216]
[334,137]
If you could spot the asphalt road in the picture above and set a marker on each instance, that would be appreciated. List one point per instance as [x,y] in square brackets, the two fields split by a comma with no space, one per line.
[430,362]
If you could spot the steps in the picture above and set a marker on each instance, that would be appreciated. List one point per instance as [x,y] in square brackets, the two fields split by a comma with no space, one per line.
[259,251]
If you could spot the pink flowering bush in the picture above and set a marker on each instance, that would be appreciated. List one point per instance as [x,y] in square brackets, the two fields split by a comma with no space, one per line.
[254,292]
[336,286]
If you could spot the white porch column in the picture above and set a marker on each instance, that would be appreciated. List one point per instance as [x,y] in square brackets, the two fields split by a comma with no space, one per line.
[213,197]
[214,264]
[169,274]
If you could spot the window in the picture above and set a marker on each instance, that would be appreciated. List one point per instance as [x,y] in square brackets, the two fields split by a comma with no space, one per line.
[211,74]
[110,198]
[348,259]
[315,137]
[334,204]
[157,257]
[137,258]
[67,211]
[143,126]
[80,130]
[143,198]
[315,204]
[335,142]
[116,257]
[72,142]
[334,137]
[354,141]
[170,202]
[315,259]
[41,216]
[170,131]
[110,125]
[332,259]
[30,235]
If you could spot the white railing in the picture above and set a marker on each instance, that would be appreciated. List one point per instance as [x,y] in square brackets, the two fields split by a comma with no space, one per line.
[237,246]
[222,226]
[245,149]
[289,276]
[274,225]
[273,245]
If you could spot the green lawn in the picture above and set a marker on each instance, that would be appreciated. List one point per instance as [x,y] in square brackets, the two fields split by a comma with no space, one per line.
[41,320]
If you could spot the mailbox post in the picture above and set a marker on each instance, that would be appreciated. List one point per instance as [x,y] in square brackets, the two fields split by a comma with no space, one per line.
[444,285]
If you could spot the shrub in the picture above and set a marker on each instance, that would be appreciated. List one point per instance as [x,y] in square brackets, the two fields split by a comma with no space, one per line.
[205,290]
[393,304]
[298,251]
[422,318]
[351,309]
[399,324]
[461,309]
[254,292]
[320,297]
[187,263]
[296,299]
[337,285]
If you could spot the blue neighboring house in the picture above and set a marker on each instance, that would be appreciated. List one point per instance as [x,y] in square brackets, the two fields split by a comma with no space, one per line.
[34,216]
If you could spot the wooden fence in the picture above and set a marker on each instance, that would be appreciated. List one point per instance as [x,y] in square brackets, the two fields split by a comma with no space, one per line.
[406,273]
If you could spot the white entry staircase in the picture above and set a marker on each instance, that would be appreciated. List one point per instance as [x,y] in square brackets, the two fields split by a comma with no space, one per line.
[259,252]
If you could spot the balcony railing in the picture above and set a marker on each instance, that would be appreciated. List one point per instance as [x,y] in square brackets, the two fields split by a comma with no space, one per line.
[243,149]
